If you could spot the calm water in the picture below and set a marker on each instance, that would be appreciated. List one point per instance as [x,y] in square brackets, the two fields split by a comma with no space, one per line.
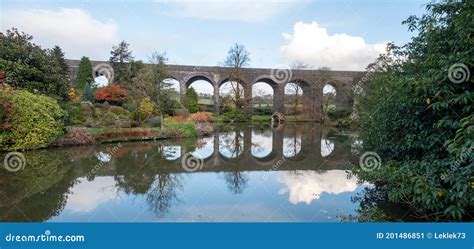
[290,173]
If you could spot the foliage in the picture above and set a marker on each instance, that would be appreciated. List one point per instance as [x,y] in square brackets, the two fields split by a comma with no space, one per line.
[84,73]
[201,117]
[421,123]
[88,94]
[57,53]
[36,121]
[338,112]
[147,107]
[154,122]
[187,129]
[237,115]
[262,111]
[28,66]
[73,95]
[190,100]
[120,56]
[6,107]
[112,94]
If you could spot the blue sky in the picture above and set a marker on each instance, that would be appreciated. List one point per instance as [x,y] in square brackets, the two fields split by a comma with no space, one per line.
[341,34]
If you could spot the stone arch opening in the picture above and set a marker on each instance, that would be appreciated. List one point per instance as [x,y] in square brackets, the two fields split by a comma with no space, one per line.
[262,143]
[204,87]
[263,95]
[329,98]
[295,96]
[231,95]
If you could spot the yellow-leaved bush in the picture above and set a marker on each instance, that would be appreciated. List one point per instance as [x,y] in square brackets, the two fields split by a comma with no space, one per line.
[36,121]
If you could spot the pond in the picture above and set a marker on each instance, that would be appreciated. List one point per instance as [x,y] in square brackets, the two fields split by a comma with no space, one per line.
[290,173]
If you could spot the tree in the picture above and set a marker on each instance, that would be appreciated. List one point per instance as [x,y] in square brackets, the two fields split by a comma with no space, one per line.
[113,94]
[237,58]
[190,100]
[28,66]
[84,73]
[294,93]
[120,58]
[57,53]
[417,114]
[88,94]
[162,91]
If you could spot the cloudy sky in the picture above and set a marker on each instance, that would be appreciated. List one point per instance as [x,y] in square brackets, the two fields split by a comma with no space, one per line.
[340,34]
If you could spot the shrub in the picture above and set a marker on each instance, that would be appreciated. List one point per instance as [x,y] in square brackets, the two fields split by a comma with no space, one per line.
[419,120]
[181,129]
[77,136]
[334,112]
[113,94]
[154,122]
[119,110]
[262,111]
[37,121]
[190,100]
[201,117]
[147,107]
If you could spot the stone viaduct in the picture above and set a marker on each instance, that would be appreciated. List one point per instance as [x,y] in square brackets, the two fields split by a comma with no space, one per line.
[310,81]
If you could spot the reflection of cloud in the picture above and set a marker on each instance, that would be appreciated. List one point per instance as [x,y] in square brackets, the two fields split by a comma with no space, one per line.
[327,147]
[261,143]
[87,196]
[306,186]
[103,157]
[291,146]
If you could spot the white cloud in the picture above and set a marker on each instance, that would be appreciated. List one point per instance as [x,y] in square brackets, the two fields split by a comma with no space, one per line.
[311,43]
[74,30]
[234,10]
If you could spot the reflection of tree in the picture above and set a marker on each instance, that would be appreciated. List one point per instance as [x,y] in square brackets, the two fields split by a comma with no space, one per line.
[236,181]
[163,193]
[235,144]
[375,207]
[146,173]
[39,192]
[292,141]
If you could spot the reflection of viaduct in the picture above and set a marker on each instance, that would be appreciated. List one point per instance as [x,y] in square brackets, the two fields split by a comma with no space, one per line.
[307,158]
[310,81]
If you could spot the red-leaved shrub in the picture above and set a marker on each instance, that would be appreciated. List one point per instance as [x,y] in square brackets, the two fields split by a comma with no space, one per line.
[113,94]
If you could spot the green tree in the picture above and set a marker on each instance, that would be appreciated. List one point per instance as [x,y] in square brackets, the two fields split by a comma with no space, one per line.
[190,100]
[417,114]
[84,73]
[162,92]
[88,94]
[28,66]
[57,53]
[120,57]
